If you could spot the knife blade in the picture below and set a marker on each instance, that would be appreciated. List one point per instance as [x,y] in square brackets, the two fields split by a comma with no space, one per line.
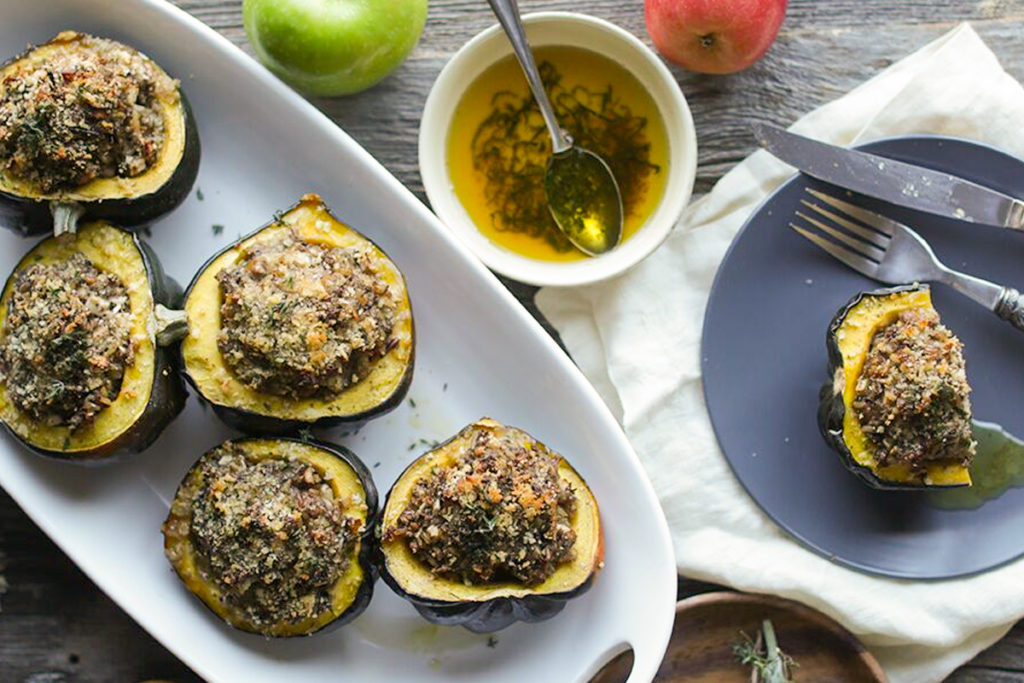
[893,181]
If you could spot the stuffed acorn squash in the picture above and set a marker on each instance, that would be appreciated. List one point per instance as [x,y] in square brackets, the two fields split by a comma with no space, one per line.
[273,535]
[83,370]
[303,322]
[896,408]
[91,127]
[488,529]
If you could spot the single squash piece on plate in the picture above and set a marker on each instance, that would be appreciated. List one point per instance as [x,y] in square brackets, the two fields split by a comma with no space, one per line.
[85,370]
[273,535]
[896,407]
[305,322]
[91,128]
[490,528]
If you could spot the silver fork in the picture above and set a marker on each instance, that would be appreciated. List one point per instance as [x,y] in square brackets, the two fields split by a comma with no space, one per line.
[890,252]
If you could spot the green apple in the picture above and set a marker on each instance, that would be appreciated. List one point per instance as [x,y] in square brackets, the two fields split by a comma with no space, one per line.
[333,47]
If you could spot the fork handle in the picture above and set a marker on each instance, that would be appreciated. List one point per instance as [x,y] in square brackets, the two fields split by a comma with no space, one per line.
[1010,307]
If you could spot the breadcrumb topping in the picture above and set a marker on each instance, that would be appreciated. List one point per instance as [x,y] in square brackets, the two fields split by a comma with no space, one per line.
[499,512]
[89,111]
[67,341]
[912,394]
[304,320]
[271,535]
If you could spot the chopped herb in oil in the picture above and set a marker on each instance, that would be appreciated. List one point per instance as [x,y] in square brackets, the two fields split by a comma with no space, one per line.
[511,149]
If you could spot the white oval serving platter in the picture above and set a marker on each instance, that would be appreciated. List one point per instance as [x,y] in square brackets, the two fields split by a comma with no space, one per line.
[480,353]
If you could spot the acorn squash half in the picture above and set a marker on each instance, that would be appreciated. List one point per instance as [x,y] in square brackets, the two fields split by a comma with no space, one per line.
[350,482]
[126,201]
[248,410]
[848,340]
[484,608]
[152,393]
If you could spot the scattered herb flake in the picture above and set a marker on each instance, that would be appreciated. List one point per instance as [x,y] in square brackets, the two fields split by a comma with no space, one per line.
[199,194]
[217,228]
[510,150]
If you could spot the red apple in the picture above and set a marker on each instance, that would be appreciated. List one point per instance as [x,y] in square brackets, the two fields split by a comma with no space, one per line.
[713,36]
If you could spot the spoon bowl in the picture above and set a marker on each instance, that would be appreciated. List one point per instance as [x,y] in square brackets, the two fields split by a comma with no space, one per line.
[584,200]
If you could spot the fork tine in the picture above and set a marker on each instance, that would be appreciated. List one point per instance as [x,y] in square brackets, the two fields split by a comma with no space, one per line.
[857,245]
[865,234]
[886,226]
[855,261]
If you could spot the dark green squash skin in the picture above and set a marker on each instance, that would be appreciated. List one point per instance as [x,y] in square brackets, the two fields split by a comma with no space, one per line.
[168,395]
[366,540]
[485,616]
[249,422]
[28,216]
[831,409]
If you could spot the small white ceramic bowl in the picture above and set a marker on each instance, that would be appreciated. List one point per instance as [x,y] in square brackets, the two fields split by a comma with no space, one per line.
[577,30]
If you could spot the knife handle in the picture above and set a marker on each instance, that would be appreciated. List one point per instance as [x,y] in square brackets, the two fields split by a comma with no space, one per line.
[1011,307]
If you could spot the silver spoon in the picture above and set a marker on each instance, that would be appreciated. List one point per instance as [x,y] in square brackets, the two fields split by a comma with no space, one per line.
[582,194]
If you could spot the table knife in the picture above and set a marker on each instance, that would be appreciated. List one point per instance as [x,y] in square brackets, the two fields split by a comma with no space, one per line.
[893,181]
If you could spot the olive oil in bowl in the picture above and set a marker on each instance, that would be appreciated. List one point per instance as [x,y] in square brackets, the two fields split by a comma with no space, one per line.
[498,147]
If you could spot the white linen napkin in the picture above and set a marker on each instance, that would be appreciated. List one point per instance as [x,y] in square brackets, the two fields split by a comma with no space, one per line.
[638,340]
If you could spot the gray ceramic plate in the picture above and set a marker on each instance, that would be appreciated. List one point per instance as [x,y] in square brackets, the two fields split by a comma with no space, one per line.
[764,362]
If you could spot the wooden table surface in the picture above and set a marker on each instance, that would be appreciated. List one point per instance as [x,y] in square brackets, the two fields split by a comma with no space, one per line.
[56,626]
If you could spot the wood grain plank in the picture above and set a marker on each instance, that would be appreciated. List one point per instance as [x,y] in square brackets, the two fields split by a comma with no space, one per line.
[56,626]
[976,674]
[1008,654]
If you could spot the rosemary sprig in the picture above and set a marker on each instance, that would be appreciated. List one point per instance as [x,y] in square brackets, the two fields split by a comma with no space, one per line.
[769,664]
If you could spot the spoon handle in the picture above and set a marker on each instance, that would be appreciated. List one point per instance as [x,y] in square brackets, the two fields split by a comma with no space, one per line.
[507,12]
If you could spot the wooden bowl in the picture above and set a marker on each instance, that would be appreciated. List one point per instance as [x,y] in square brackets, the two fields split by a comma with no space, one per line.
[706,626]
